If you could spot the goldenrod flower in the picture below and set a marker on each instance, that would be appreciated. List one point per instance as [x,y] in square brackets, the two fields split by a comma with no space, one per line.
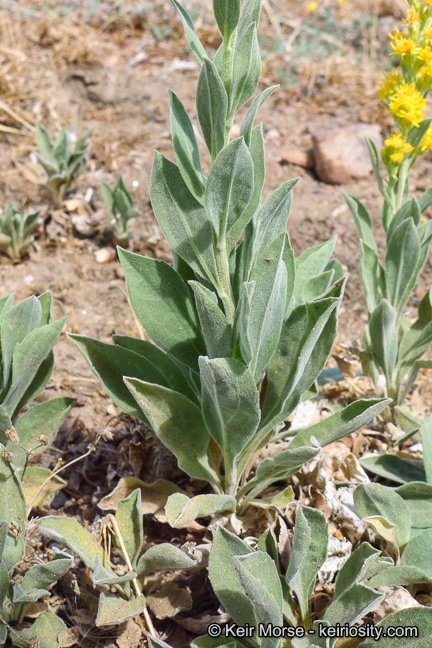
[389,84]
[426,142]
[425,53]
[413,18]
[407,104]
[402,45]
[396,149]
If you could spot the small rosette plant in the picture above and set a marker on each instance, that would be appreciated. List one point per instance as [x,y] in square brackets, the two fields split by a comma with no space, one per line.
[121,586]
[64,160]
[15,232]
[269,593]
[393,345]
[242,329]
[118,203]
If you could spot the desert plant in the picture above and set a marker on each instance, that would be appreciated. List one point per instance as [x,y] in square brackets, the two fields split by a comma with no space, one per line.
[242,328]
[16,593]
[63,161]
[15,231]
[392,343]
[127,532]
[27,336]
[262,593]
[118,203]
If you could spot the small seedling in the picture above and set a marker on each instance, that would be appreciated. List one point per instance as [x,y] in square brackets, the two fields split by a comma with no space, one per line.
[118,203]
[63,161]
[15,232]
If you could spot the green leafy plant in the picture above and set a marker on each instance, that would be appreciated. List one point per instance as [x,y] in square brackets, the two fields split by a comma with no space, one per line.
[27,336]
[127,578]
[259,587]
[16,594]
[15,232]
[393,344]
[401,518]
[63,161]
[118,203]
[242,328]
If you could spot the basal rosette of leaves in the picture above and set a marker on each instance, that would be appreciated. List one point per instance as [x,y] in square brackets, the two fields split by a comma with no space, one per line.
[121,586]
[267,586]
[118,203]
[241,329]
[15,231]
[393,344]
[64,160]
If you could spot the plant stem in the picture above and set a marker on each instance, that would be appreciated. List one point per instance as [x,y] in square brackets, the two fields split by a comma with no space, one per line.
[225,292]
[401,186]
[135,585]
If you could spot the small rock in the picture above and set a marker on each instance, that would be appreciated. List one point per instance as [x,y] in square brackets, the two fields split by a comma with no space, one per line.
[105,255]
[299,158]
[341,155]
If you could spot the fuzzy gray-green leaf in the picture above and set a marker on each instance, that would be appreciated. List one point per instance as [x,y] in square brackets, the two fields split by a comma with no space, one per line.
[268,307]
[186,148]
[309,551]
[305,343]
[260,580]
[246,68]
[182,219]
[376,500]
[227,15]
[341,424]
[224,578]
[403,254]
[179,425]
[230,405]
[193,40]
[229,187]
[382,328]
[249,120]
[420,618]
[214,324]
[42,419]
[164,306]
[311,263]
[212,107]
[129,517]
[186,510]
[111,363]
[164,557]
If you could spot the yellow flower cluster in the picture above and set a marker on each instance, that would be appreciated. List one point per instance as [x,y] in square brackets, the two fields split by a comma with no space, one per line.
[402,45]
[396,149]
[389,85]
[407,104]
[404,90]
